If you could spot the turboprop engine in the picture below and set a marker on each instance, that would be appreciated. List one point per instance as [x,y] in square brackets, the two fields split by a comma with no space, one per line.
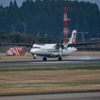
[54,55]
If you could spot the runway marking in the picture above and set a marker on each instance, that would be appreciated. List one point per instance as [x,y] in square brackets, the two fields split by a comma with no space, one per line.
[41,63]
[53,62]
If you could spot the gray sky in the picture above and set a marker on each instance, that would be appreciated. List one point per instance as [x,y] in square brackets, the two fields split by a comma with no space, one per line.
[19,2]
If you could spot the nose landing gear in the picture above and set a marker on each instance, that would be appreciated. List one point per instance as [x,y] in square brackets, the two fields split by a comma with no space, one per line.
[44,58]
[34,57]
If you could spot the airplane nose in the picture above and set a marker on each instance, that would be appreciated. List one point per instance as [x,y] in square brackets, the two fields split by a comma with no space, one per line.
[32,51]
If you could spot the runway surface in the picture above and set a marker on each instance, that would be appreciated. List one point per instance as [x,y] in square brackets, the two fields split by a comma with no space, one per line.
[49,63]
[62,96]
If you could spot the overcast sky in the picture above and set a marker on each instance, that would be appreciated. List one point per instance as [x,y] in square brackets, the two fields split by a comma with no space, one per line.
[19,2]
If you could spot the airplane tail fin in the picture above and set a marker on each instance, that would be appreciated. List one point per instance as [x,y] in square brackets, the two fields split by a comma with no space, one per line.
[73,37]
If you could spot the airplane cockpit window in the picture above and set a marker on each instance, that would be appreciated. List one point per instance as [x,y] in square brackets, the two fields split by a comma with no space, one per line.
[36,47]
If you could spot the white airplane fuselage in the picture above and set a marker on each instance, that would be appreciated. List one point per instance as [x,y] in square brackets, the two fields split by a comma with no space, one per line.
[49,50]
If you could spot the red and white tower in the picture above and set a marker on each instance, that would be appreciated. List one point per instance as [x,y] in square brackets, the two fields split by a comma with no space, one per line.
[65,31]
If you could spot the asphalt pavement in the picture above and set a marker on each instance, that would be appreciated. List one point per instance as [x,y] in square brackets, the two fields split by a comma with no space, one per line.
[59,96]
[49,63]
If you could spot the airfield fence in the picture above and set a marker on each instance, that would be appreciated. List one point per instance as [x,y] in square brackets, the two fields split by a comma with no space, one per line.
[88,49]
[3,49]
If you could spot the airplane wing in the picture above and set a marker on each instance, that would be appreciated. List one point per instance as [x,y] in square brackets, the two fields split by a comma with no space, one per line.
[82,44]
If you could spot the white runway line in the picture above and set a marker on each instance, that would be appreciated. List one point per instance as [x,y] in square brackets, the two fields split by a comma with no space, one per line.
[54,62]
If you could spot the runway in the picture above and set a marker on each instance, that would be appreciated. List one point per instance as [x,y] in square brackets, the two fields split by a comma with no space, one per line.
[49,63]
[60,96]
[52,63]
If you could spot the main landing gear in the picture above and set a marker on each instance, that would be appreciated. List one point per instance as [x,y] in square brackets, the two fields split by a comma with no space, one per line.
[59,58]
[44,58]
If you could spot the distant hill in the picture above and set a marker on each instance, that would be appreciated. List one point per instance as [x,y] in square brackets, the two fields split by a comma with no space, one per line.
[46,17]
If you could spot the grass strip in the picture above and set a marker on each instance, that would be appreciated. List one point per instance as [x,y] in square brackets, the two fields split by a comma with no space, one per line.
[42,85]
[50,68]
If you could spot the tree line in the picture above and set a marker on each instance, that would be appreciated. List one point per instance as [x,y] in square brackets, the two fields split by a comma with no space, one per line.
[6,37]
[46,17]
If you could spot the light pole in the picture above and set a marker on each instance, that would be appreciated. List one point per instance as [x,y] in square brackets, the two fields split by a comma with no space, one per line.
[90,37]
[83,36]
[98,36]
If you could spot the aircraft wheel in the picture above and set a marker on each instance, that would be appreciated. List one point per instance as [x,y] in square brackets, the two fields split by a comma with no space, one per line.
[34,57]
[60,58]
[44,59]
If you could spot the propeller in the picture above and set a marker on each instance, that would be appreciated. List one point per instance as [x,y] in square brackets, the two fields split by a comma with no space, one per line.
[60,47]
[31,43]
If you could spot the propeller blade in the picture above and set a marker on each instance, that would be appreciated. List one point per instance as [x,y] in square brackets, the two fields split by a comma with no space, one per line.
[31,43]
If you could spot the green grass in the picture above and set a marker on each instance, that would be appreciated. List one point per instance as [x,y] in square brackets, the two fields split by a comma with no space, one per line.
[50,68]
[41,85]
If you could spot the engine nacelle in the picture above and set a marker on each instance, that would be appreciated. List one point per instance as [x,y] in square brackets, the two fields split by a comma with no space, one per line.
[54,54]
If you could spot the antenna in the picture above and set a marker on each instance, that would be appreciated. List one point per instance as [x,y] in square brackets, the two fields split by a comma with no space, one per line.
[65,30]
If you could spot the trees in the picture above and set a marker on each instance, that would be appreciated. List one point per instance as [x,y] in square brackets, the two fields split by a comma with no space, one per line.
[25,38]
[46,16]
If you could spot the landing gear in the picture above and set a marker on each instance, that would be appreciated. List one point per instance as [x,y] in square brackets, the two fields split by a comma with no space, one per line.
[34,57]
[44,58]
[59,58]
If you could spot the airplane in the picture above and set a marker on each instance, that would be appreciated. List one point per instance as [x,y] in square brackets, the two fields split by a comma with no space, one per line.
[54,50]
